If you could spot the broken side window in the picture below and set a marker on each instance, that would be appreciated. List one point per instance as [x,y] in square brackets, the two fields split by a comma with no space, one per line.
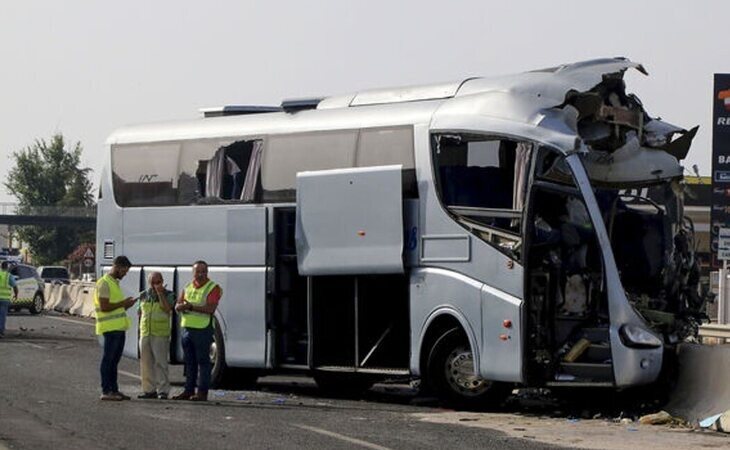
[482,181]
[184,172]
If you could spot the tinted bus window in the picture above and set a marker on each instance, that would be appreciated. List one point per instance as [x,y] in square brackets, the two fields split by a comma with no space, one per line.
[286,155]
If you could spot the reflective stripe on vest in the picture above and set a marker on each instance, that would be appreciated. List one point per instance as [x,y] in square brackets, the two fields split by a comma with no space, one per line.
[116,319]
[198,297]
[5,289]
[154,321]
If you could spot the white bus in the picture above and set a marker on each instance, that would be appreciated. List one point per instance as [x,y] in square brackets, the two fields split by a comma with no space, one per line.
[476,235]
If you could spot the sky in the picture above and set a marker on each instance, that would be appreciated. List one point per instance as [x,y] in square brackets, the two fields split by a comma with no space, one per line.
[86,67]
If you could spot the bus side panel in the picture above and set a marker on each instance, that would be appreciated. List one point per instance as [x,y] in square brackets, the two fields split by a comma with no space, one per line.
[109,226]
[502,341]
[243,309]
[220,235]
[436,291]
[130,285]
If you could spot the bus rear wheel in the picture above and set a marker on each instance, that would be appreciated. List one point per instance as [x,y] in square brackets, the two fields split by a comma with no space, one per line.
[221,374]
[451,375]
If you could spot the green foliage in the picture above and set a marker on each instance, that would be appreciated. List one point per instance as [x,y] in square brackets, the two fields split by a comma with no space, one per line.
[49,174]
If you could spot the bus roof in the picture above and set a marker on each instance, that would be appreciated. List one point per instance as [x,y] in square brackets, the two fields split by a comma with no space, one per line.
[545,105]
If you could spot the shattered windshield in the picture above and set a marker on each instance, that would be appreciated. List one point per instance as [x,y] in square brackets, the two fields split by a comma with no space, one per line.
[654,248]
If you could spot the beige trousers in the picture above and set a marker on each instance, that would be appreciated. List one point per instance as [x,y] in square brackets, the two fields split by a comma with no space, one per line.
[153,352]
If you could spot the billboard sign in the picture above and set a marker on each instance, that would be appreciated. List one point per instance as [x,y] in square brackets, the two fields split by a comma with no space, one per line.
[720,162]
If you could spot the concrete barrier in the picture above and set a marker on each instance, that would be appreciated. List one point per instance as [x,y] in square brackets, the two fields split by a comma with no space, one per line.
[76,298]
[701,389]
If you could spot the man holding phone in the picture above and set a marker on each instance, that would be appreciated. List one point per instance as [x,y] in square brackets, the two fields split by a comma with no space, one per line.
[112,323]
[154,337]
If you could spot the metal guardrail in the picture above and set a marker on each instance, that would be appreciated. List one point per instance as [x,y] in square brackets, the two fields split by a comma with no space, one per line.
[14,209]
[715,330]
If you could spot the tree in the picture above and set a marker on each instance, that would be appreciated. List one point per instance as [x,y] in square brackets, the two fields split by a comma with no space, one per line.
[49,174]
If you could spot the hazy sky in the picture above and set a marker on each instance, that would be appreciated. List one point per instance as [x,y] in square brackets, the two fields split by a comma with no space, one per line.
[84,68]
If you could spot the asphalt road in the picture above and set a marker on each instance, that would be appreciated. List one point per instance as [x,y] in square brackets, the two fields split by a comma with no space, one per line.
[49,400]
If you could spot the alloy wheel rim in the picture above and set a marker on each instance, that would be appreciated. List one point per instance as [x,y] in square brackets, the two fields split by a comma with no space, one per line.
[459,371]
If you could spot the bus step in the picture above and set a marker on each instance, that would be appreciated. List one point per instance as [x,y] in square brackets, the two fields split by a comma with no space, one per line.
[586,384]
[585,371]
[372,370]
[599,353]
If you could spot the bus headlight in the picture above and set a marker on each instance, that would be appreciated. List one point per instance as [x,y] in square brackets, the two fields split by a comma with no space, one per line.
[637,337]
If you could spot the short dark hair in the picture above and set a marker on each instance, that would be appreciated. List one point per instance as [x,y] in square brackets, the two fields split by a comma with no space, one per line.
[122,261]
[4,265]
[200,261]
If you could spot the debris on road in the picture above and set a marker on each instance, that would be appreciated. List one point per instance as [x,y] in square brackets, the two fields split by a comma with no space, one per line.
[718,422]
[660,418]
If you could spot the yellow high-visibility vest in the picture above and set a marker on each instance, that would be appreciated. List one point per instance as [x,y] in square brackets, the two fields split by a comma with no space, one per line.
[116,319]
[154,321]
[5,290]
[197,297]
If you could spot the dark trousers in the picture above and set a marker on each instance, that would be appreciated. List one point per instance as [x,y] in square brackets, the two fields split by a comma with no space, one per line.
[113,348]
[196,348]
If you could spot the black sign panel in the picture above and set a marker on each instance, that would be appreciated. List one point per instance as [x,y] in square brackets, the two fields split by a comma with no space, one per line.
[720,158]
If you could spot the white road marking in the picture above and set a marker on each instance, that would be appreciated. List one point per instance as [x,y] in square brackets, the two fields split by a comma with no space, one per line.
[129,374]
[77,322]
[341,437]
[33,345]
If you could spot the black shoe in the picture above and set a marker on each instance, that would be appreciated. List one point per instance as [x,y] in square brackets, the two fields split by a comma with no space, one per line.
[124,397]
[147,395]
[111,396]
[162,396]
[183,396]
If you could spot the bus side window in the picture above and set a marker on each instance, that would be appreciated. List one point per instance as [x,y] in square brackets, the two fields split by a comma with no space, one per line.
[483,178]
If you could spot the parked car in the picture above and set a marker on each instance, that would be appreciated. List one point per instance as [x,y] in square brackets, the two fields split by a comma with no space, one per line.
[54,274]
[30,289]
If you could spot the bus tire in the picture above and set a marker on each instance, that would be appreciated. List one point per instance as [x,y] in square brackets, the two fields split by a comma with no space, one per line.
[217,357]
[221,374]
[339,384]
[451,375]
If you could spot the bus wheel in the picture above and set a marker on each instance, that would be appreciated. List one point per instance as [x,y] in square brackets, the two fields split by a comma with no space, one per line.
[339,384]
[451,375]
[222,375]
[37,306]
[217,357]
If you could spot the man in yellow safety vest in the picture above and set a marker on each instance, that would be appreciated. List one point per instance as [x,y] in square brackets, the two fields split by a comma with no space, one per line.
[155,305]
[112,323]
[8,292]
[197,303]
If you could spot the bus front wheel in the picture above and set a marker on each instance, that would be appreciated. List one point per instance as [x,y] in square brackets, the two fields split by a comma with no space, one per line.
[451,374]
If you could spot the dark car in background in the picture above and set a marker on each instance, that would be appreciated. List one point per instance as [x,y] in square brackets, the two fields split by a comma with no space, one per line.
[30,289]
[54,274]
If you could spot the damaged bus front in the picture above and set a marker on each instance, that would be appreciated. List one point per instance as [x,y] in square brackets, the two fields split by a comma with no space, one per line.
[610,277]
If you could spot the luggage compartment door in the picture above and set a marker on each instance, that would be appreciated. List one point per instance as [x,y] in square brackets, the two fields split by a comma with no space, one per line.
[350,221]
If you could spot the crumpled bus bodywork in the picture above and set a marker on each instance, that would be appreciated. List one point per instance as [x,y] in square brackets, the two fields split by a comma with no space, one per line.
[610,144]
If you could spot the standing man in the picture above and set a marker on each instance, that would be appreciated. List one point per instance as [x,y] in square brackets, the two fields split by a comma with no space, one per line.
[154,341]
[8,292]
[112,323]
[197,305]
